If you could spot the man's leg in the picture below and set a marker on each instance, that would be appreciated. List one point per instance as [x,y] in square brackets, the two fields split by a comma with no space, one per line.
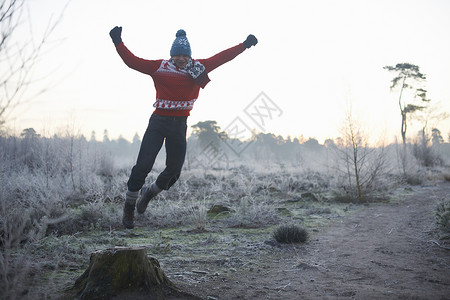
[150,146]
[175,155]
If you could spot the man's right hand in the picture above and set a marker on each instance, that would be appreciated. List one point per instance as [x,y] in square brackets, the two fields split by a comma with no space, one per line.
[115,35]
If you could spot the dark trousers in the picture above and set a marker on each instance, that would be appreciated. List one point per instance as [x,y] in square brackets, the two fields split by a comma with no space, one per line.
[172,130]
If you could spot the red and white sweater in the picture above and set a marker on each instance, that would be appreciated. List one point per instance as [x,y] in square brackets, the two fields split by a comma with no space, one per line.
[176,90]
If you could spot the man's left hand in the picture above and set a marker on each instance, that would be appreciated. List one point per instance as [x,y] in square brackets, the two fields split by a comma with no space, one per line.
[250,41]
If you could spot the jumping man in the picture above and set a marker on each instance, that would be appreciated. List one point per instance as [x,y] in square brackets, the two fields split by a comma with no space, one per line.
[177,82]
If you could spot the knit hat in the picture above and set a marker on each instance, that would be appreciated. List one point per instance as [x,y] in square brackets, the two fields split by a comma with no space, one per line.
[181,44]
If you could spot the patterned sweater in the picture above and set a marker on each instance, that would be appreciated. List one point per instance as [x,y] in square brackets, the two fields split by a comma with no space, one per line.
[176,90]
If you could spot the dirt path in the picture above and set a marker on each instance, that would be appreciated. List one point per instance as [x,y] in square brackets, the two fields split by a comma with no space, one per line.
[382,251]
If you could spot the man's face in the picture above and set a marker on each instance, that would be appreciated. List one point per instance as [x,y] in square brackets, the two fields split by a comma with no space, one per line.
[180,60]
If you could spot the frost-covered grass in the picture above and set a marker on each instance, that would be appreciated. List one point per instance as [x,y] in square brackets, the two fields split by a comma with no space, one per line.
[61,198]
[442,214]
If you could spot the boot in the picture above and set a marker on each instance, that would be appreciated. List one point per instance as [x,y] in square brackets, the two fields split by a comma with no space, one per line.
[128,209]
[147,193]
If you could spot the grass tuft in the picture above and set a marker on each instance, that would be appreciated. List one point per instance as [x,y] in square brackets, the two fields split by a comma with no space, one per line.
[290,234]
[442,214]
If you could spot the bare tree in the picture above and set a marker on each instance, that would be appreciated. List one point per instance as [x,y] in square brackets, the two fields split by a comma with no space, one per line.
[360,164]
[19,53]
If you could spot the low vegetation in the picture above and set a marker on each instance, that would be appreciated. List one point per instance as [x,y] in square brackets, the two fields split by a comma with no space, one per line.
[443,217]
[61,199]
[290,234]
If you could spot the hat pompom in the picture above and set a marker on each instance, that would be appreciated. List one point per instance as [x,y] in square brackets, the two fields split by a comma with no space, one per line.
[180,32]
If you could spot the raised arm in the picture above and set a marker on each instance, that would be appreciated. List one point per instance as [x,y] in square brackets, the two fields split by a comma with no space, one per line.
[229,54]
[132,61]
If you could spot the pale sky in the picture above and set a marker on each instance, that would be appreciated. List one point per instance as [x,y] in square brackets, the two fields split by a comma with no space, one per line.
[313,59]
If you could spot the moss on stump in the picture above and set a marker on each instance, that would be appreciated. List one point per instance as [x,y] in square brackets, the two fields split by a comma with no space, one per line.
[127,272]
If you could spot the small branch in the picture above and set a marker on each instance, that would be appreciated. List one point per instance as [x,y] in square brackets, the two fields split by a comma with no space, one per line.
[439,245]
[280,288]
[357,279]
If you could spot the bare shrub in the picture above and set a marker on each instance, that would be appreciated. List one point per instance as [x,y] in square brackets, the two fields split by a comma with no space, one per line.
[424,152]
[359,166]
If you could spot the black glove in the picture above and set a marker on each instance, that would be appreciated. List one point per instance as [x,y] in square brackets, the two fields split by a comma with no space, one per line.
[115,34]
[250,41]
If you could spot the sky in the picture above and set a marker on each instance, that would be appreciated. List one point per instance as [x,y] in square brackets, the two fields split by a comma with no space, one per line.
[313,61]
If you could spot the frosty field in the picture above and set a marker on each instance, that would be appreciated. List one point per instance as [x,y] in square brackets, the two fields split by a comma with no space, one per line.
[62,199]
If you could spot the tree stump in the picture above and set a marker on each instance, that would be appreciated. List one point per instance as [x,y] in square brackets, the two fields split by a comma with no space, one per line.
[127,272]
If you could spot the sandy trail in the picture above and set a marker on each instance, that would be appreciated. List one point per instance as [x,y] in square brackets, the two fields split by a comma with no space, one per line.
[382,251]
